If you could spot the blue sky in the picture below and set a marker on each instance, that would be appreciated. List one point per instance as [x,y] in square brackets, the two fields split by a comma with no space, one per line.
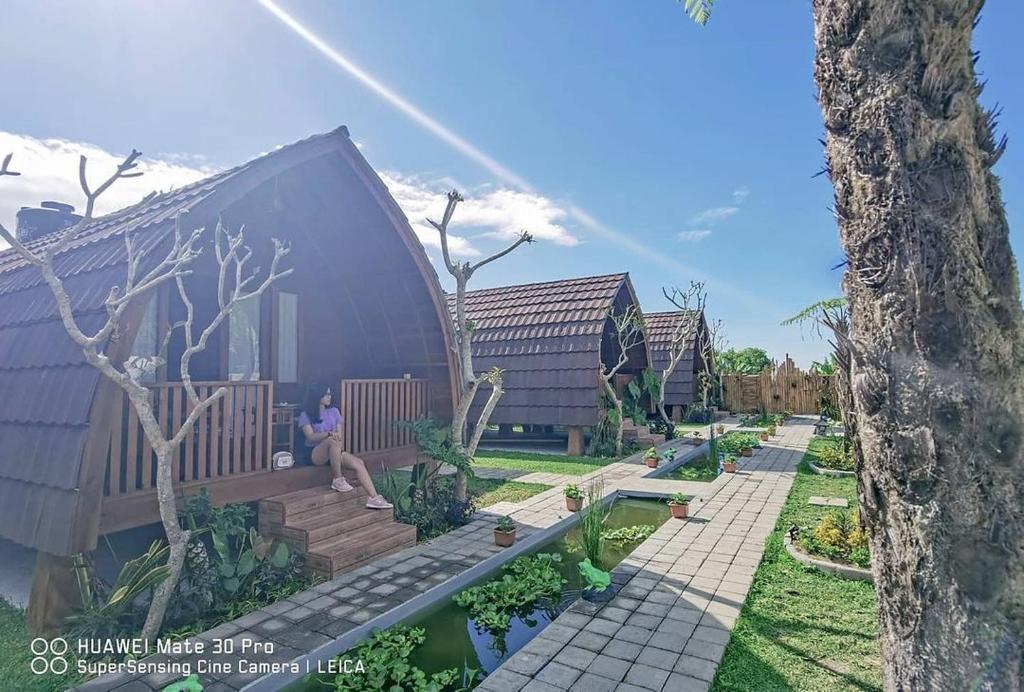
[626,111]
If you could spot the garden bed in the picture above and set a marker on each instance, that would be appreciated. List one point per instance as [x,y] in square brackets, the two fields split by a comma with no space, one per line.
[801,628]
[839,569]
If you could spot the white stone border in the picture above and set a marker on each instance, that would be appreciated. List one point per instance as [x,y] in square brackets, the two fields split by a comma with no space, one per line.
[830,472]
[851,572]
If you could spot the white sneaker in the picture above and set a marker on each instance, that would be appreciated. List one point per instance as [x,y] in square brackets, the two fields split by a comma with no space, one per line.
[378,502]
[341,485]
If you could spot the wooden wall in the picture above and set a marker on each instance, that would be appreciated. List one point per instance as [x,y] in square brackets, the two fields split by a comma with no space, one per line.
[779,387]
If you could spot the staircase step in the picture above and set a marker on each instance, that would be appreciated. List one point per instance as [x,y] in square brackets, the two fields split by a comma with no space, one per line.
[330,524]
[291,507]
[344,553]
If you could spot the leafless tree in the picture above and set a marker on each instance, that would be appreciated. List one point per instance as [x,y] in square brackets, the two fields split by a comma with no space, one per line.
[470,382]
[691,306]
[144,273]
[710,340]
[629,332]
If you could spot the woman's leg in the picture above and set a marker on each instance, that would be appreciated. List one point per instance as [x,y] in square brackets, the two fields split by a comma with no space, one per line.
[324,453]
[359,466]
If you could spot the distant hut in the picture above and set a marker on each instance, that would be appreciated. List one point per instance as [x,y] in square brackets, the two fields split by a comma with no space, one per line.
[683,387]
[551,338]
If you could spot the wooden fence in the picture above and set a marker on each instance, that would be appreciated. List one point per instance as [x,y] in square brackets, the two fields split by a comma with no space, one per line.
[779,387]
[373,409]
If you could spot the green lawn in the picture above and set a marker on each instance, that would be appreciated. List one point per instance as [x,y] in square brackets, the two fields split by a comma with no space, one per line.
[489,491]
[683,428]
[530,462]
[801,629]
[15,656]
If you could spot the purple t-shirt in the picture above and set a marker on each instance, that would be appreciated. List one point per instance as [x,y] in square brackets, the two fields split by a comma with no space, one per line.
[329,422]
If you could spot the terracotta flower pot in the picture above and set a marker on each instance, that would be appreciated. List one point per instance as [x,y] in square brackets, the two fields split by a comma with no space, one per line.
[730,466]
[747,451]
[679,511]
[574,504]
[764,437]
[503,539]
[652,462]
[720,429]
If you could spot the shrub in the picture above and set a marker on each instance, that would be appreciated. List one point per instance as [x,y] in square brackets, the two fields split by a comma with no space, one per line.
[833,455]
[838,537]
[733,442]
[429,504]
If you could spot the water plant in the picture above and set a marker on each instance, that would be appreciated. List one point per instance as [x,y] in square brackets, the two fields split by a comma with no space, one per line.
[382,663]
[592,523]
[629,534]
[525,581]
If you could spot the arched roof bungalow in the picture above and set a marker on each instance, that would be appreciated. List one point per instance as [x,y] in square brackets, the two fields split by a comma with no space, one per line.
[551,338]
[362,312]
[682,387]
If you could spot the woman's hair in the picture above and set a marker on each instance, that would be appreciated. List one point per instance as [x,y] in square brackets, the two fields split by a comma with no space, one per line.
[311,400]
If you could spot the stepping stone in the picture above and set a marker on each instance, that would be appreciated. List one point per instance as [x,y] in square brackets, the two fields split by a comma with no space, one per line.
[828,501]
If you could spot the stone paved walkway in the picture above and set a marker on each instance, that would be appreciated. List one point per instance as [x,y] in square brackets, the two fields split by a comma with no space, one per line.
[682,591]
[704,565]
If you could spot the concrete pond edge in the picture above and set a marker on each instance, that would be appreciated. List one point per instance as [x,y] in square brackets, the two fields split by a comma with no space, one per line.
[850,572]
[821,471]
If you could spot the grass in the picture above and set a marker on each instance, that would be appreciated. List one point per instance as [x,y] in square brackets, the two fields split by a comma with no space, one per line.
[683,428]
[531,462]
[702,469]
[15,656]
[489,491]
[801,629]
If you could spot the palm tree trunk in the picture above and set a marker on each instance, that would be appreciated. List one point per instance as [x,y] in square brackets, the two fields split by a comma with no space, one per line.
[937,337]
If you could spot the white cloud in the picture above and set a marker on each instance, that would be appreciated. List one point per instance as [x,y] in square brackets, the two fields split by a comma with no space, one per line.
[49,171]
[695,235]
[488,212]
[740,194]
[714,215]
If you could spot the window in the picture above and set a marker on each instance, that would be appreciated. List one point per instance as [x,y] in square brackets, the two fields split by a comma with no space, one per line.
[142,364]
[244,341]
[287,337]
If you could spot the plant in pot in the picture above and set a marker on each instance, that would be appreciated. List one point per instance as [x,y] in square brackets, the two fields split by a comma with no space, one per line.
[720,428]
[764,436]
[651,457]
[573,497]
[696,438]
[747,451]
[729,465]
[505,532]
[772,430]
[679,505]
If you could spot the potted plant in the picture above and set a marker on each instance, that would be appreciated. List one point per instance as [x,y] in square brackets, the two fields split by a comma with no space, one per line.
[720,428]
[747,451]
[696,438]
[679,505]
[573,498]
[772,430]
[504,532]
[651,457]
[764,436]
[729,465]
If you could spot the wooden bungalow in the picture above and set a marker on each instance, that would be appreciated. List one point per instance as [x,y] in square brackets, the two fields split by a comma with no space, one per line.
[551,338]
[363,312]
[683,387]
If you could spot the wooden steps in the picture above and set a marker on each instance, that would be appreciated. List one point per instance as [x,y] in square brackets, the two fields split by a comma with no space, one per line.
[334,532]
[641,433]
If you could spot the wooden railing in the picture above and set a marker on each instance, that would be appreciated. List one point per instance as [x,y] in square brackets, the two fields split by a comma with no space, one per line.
[779,387]
[231,438]
[372,409]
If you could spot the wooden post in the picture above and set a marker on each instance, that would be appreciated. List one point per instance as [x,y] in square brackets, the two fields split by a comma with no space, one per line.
[575,448]
[54,594]
[504,429]
[677,414]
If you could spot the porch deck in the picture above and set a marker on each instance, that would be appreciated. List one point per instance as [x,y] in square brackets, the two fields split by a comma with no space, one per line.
[229,449]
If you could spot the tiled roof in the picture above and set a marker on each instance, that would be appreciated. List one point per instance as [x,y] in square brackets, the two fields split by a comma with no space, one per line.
[547,338]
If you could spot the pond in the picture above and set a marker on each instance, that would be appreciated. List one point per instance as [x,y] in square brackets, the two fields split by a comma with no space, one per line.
[701,468]
[453,639]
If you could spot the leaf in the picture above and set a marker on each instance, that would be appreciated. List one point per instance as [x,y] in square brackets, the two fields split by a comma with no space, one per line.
[231,585]
[280,556]
[246,563]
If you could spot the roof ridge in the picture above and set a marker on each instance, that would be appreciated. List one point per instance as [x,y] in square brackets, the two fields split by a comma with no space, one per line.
[551,282]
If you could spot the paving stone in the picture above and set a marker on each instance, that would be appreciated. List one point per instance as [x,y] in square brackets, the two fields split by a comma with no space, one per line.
[558,633]
[541,686]
[649,622]
[525,663]
[600,626]
[658,658]
[705,649]
[608,667]
[646,677]
[322,603]
[588,682]
[669,641]
[575,657]
[614,614]
[627,651]
[684,683]
[699,668]
[557,674]
[634,634]
[711,634]
[590,641]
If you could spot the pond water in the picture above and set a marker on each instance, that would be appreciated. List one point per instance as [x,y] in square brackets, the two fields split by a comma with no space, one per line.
[701,468]
[454,640]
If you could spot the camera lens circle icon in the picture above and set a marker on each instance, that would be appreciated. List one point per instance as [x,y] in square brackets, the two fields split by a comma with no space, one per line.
[58,646]
[39,665]
[40,646]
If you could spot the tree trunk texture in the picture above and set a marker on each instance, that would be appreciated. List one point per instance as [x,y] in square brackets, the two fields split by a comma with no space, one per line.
[937,337]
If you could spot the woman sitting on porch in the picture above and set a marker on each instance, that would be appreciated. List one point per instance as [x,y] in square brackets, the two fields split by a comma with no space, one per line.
[321,424]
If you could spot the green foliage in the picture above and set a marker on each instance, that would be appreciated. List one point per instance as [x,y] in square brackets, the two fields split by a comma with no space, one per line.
[427,502]
[733,442]
[592,523]
[747,361]
[385,662]
[435,440]
[825,367]
[679,499]
[120,612]
[698,10]
[704,469]
[651,453]
[602,440]
[761,420]
[834,454]
[16,657]
[838,537]
[573,492]
[525,581]
[540,463]
[814,311]
[505,524]
[629,534]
